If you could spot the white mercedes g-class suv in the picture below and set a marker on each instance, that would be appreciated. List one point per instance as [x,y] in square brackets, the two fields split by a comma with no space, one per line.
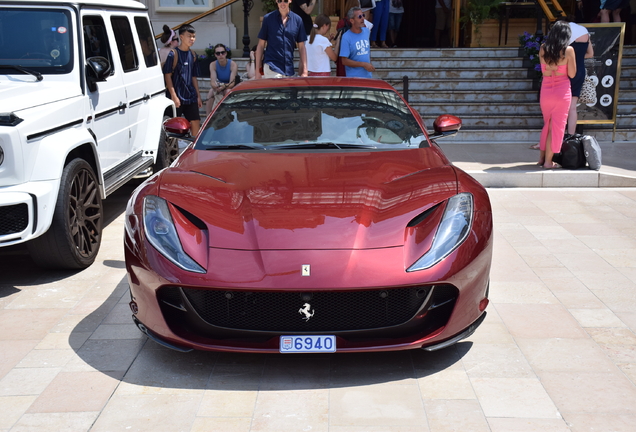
[82,102]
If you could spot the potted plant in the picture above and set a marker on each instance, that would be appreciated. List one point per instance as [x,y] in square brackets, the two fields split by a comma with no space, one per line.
[530,45]
[269,6]
[475,13]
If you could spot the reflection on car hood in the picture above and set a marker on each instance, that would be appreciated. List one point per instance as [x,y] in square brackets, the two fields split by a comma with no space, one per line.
[330,200]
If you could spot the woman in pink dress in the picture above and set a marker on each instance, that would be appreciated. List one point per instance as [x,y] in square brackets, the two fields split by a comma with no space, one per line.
[558,65]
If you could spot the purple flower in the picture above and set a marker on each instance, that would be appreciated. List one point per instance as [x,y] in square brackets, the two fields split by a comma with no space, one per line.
[537,67]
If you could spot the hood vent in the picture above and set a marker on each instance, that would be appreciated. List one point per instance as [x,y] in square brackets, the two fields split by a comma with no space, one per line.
[422,216]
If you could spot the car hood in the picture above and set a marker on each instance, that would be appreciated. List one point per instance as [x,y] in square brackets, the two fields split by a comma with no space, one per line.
[287,201]
[23,91]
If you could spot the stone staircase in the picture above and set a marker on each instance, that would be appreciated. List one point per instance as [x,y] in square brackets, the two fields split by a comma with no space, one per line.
[488,88]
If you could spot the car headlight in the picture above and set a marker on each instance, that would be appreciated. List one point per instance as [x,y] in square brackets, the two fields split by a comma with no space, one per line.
[162,234]
[452,231]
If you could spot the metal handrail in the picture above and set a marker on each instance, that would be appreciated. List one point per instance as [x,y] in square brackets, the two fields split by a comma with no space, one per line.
[203,15]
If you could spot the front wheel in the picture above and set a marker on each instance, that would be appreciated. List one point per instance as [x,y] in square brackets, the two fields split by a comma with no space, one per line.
[167,150]
[73,240]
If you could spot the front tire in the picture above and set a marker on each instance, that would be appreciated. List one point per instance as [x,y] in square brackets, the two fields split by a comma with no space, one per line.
[167,150]
[75,234]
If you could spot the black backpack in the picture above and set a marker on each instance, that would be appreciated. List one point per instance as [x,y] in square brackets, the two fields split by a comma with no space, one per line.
[572,155]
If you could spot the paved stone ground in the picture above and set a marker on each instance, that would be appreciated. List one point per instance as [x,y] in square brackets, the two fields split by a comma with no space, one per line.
[557,351]
[515,165]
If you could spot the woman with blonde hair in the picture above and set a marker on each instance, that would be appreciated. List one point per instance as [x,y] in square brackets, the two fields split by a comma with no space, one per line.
[558,65]
[319,49]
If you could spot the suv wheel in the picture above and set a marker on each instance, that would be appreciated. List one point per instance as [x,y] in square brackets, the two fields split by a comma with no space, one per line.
[167,150]
[73,240]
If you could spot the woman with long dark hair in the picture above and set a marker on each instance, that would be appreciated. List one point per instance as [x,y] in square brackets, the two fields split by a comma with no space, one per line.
[558,65]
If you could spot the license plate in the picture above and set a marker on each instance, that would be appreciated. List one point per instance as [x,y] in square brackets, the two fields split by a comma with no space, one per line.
[305,344]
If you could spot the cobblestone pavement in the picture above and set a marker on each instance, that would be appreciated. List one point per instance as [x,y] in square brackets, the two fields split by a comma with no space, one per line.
[557,351]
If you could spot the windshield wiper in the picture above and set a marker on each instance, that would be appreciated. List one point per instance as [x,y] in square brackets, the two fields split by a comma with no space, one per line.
[319,145]
[234,146]
[37,75]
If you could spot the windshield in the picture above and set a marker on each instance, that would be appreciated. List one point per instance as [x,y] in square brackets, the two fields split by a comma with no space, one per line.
[312,117]
[36,40]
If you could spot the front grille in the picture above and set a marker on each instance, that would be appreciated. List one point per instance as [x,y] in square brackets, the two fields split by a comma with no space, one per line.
[331,311]
[14,218]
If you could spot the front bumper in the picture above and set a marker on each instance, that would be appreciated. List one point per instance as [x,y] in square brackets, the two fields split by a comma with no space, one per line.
[27,210]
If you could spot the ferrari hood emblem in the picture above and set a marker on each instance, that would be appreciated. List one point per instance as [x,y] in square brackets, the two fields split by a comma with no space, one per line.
[306,311]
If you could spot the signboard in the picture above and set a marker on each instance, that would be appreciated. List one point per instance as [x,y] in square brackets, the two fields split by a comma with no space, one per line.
[605,69]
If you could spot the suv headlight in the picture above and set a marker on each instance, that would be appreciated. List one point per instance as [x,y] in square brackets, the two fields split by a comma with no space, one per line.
[451,232]
[162,234]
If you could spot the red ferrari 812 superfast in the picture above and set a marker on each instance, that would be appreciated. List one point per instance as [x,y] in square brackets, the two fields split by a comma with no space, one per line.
[310,215]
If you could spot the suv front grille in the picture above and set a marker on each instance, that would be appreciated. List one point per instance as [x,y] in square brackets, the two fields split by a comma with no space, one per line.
[14,218]
[331,311]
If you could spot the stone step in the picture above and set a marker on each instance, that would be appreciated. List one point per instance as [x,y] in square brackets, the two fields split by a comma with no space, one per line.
[626,97]
[524,121]
[420,84]
[474,53]
[474,74]
[530,136]
[471,96]
[513,109]
[458,63]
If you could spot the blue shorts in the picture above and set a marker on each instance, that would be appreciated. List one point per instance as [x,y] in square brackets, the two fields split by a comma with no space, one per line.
[395,21]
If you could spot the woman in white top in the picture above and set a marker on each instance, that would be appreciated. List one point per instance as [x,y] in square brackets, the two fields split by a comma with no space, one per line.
[319,49]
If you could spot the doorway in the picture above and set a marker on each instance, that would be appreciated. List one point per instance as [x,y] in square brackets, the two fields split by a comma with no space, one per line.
[418,24]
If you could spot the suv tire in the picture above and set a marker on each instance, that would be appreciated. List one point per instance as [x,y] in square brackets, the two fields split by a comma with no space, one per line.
[75,234]
[167,150]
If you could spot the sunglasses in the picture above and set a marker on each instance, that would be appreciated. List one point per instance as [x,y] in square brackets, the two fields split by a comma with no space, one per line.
[282,1]
[361,16]
[218,53]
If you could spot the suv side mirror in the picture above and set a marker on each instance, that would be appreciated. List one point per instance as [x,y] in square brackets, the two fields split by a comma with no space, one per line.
[446,125]
[97,70]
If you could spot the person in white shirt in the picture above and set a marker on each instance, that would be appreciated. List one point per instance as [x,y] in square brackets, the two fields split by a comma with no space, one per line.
[320,49]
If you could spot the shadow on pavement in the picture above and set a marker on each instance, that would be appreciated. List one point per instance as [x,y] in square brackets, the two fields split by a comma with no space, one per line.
[140,362]
[17,267]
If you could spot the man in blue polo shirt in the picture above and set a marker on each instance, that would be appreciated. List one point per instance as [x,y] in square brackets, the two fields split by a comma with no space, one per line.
[355,53]
[282,29]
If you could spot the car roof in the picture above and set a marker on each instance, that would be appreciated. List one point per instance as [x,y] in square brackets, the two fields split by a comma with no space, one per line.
[257,84]
[126,4]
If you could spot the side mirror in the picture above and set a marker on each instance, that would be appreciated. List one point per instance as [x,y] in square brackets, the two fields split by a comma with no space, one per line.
[446,125]
[97,70]
[178,127]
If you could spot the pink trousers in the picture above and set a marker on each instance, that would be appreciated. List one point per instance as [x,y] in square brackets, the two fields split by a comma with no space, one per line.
[555,99]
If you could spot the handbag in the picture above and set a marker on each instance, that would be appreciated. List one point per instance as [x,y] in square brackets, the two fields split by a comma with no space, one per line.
[588,91]
[367,4]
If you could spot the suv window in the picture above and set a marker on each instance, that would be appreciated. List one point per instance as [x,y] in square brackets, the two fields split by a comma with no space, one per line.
[36,39]
[125,43]
[147,41]
[96,39]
